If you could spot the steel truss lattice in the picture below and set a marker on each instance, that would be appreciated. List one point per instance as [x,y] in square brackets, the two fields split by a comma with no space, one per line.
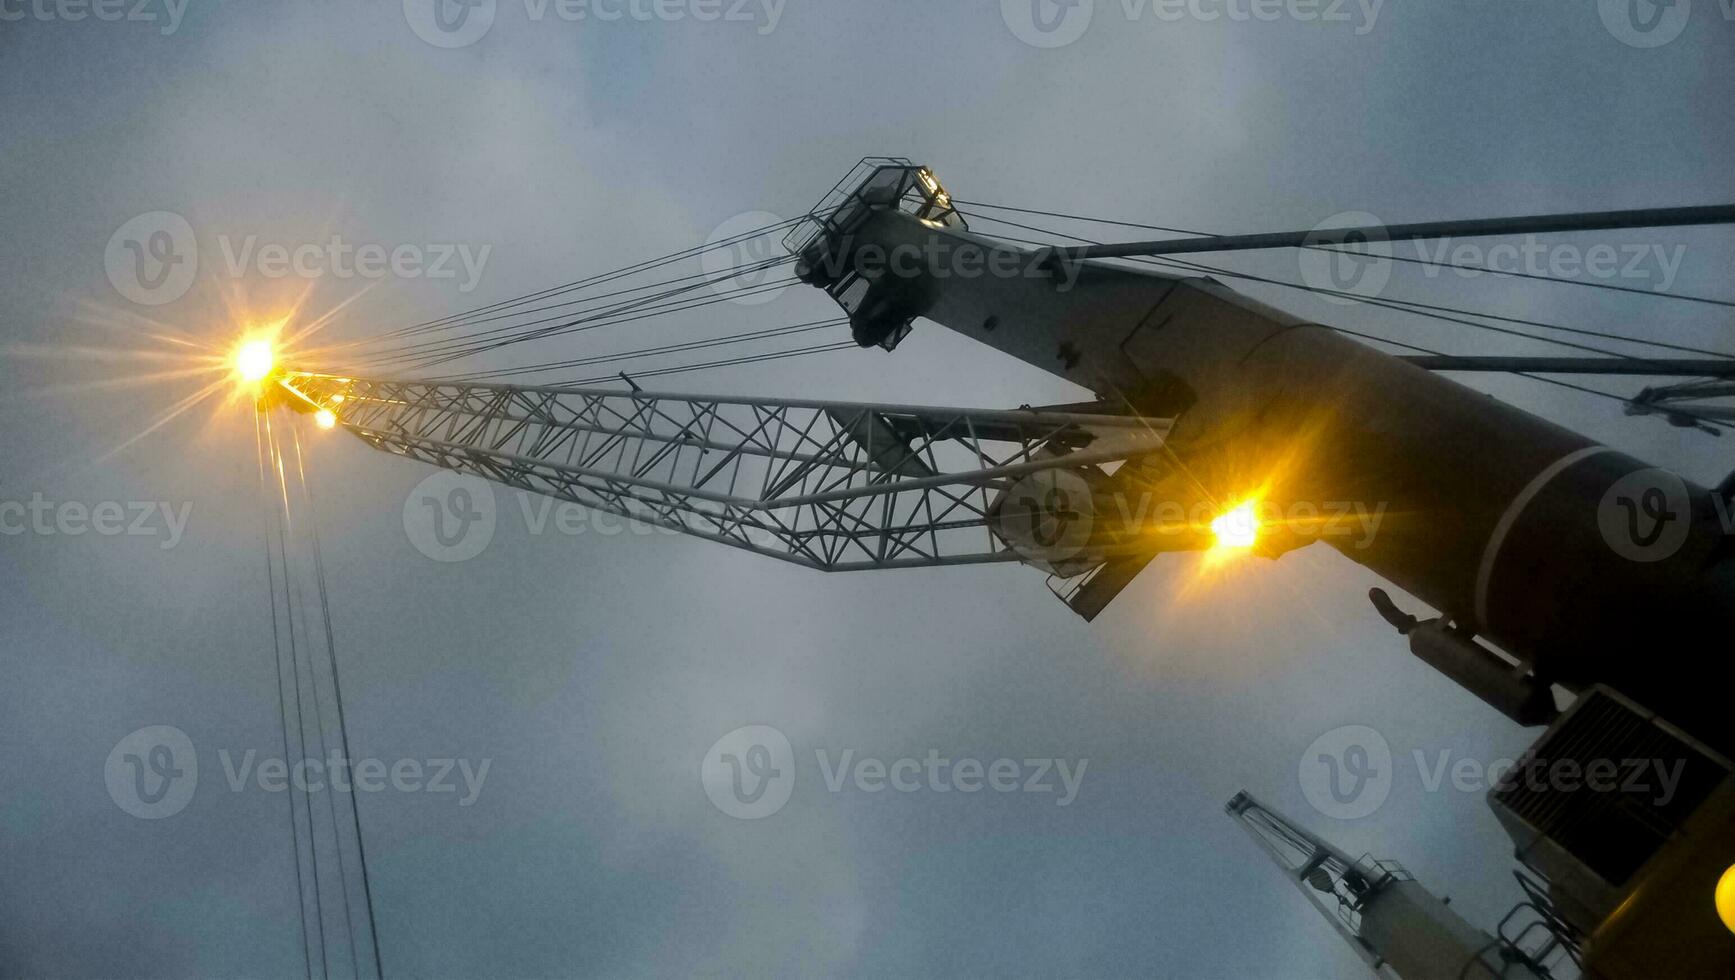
[835,486]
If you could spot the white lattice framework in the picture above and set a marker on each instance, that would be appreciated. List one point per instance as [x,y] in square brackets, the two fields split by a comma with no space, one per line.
[831,485]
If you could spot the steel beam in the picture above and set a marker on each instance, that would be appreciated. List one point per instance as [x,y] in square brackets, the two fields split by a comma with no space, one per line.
[1538,224]
[1676,367]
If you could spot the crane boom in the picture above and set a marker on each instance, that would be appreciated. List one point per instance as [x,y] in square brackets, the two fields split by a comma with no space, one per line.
[1397,927]
[836,486]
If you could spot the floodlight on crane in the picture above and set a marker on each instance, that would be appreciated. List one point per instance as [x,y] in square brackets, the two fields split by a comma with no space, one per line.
[255,360]
[1238,527]
[1726,898]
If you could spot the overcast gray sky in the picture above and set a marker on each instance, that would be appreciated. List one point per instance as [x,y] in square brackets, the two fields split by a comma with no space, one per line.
[594,672]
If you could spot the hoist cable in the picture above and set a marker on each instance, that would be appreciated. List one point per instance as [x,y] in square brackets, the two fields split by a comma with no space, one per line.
[723,341]
[598,279]
[267,522]
[453,350]
[750,359]
[342,723]
[295,679]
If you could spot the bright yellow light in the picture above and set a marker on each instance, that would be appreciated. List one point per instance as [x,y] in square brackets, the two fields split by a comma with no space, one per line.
[1726,898]
[324,419]
[1237,527]
[254,360]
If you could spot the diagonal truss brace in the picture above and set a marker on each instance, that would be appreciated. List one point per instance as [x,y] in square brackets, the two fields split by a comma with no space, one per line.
[830,485]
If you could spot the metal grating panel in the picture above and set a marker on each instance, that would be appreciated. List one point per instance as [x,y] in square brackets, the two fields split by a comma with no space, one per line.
[1659,779]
